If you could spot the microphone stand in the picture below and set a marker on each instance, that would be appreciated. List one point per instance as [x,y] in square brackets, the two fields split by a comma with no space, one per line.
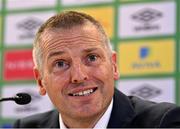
[6,99]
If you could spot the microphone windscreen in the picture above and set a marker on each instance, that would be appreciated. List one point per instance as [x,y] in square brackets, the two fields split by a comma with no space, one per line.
[22,98]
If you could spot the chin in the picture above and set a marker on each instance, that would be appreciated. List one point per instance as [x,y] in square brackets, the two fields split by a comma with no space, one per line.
[91,112]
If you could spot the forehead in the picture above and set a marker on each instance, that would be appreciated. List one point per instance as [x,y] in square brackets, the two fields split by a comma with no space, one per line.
[88,30]
[78,36]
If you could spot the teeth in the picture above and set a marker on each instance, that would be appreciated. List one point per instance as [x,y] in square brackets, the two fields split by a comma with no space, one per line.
[83,93]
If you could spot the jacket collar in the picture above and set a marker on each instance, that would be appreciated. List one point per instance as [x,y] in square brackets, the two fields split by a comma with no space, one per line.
[52,121]
[122,112]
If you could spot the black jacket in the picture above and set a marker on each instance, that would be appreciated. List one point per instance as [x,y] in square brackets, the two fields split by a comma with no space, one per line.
[127,112]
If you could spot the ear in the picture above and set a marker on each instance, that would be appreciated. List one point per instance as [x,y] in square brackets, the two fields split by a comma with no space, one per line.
[115,67]
[38,77]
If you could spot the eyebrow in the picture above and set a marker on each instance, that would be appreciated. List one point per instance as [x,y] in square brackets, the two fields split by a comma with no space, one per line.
[55,53]
[89,50]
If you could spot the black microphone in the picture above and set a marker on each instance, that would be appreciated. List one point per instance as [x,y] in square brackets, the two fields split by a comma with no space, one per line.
[20,98]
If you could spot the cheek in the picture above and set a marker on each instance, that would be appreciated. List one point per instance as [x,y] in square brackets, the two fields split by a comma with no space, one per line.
[57,83]
[105,75]
[104,72]
[60,80]
[56,89]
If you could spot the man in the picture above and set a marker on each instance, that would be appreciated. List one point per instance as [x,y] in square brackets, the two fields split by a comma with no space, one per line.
[75,66]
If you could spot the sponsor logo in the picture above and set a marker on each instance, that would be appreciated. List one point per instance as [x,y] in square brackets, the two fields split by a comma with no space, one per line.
[145,18]
[146,91]
[147,57]
[28,26]
[144,54]
[18,64]
[153,89]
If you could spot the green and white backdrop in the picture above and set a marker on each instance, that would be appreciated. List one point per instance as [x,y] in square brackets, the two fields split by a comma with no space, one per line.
[145,34]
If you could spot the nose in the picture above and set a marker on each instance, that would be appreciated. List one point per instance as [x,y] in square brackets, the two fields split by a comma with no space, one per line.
[78,73]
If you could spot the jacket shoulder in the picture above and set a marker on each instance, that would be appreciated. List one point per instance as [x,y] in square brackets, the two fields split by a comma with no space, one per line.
[38,120]
[151,114]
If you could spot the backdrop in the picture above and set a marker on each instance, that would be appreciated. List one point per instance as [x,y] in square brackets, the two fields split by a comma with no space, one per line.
[145,34]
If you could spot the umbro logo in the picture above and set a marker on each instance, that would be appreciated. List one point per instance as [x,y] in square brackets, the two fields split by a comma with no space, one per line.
[146,91]
[145,17]
[28,27]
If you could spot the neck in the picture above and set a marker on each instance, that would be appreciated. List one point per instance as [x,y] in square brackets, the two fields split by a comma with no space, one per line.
[89,122]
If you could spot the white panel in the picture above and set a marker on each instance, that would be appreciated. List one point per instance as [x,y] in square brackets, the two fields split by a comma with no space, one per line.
[158,90]
[24,4]
[0,5]
[147,19]
[83,2]
[20,28]
[12,110]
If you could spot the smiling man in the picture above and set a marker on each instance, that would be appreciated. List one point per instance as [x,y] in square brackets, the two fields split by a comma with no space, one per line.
[75,66]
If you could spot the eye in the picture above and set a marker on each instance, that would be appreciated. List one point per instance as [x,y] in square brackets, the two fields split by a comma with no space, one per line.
[61,64]
[92,58]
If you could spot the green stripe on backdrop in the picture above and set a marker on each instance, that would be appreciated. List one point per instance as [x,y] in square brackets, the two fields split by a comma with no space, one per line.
[178,52]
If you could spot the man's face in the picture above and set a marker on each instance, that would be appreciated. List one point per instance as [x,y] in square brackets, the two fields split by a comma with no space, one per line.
[77,73]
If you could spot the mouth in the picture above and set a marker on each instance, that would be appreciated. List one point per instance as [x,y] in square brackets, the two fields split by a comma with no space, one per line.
[84,92]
